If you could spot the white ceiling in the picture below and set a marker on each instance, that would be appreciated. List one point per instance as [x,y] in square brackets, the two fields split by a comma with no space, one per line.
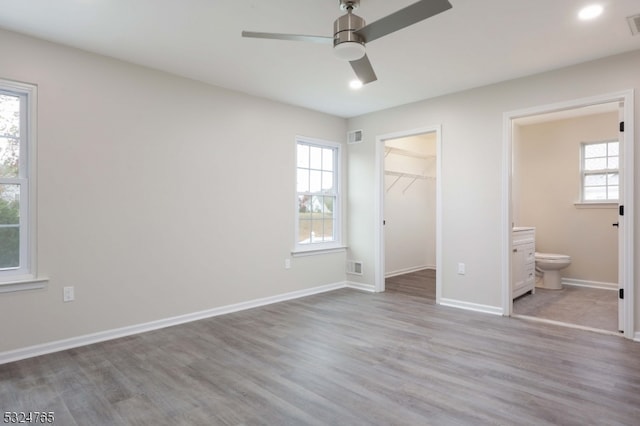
[474,44]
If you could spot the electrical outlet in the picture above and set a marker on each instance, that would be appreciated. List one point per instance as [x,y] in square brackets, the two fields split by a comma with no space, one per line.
[462,269]
[287,263]
[68,294]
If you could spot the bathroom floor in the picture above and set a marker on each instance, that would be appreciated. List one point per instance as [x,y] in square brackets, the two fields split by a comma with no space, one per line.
[588,307]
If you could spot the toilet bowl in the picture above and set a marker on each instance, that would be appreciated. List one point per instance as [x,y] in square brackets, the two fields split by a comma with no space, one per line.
[550,265]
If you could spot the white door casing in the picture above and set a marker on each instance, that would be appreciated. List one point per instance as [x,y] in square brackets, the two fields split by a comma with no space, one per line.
[379,204]
[625,233]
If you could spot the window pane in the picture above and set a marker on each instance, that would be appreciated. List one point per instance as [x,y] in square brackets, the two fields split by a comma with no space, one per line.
[327,181]
[304,231]
[327,159]
[595,150]
[613,179]
[315,181]
[9,247]
[613,163]
[9,157]
[327,230]
[9,116]
[303,180]
[9,204]
[595,164]
[304,204]
[316,157]
[328,206]
[322,231]
[613,193]
[317,207]
[595,193]
[303,156]
[614,148]
[595,180]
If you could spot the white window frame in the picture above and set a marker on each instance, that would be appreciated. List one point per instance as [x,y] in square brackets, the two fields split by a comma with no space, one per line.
[324,246]
[584,173]
[25,275]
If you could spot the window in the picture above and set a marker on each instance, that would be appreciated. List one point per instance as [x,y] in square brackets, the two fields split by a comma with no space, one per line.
[16,144]
[600,174]
[318,198]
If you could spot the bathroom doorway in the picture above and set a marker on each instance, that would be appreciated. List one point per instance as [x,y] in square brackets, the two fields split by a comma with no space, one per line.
[408,205]
[548,190]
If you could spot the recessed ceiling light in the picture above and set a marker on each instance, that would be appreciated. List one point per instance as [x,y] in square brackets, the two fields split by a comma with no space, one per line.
[590,12]
[355,84]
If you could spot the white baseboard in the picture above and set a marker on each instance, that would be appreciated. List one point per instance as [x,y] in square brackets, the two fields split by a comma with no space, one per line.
[493,310]
[361,286]
[74,342]
[407,270]
[636,336]
[590,284]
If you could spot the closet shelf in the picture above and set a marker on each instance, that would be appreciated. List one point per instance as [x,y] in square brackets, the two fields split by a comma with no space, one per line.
[400,175]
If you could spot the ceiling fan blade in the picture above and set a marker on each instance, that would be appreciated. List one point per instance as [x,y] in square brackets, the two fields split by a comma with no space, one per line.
[363,69]
[292,37]
[403,18]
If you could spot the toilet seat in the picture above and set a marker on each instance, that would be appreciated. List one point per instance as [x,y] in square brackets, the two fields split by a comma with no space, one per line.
[552,256]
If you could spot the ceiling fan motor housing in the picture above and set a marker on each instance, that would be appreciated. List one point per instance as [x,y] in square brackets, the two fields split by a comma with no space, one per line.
[347,43]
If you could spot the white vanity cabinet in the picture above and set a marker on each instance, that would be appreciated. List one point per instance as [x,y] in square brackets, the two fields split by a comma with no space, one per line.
[523,261]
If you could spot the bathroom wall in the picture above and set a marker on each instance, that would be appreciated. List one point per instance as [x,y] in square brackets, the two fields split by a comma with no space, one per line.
[547,181]
[410,205]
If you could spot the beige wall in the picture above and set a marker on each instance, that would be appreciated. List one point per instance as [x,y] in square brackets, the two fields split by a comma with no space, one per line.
[472,164]
[547,180]
[157,196]
[131,158]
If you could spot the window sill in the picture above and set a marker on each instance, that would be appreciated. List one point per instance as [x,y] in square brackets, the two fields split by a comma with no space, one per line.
[317,250]
[604,205]
[23,284]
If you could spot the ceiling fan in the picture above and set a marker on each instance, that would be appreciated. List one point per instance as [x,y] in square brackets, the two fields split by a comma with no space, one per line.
[350,32]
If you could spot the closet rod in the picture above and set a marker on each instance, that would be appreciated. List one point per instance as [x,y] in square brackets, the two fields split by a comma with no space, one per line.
[408,175]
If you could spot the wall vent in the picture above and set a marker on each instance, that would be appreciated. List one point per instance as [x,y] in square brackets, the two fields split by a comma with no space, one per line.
[354,267]
[634,24]
[354,137]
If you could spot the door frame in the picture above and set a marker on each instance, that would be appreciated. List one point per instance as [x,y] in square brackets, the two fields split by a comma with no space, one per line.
[626,255]
[379,196]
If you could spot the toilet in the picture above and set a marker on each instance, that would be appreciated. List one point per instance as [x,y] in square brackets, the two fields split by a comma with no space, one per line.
[550,265]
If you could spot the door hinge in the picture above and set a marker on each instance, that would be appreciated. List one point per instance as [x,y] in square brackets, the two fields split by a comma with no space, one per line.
[621,210]
[621,293]
[622,126]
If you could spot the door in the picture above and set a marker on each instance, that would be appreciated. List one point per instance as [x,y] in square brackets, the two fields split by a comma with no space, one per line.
[620,226]
[625,230]
[380,188]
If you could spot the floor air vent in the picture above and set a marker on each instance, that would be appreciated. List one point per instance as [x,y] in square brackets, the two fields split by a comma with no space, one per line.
[354,267]
[634,24]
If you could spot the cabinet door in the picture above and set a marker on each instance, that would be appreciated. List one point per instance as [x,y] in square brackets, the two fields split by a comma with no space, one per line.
[518,262]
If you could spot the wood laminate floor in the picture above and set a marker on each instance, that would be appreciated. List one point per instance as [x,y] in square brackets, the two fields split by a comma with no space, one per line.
[339,358]
[418,284]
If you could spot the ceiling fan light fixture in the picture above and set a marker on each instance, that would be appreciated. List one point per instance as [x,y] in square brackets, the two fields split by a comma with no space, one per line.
[349,50]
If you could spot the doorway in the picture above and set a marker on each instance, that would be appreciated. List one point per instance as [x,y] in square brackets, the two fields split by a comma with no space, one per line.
[409,239]
[565,223]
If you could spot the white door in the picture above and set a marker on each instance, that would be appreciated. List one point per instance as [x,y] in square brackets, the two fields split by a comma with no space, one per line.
[620,225]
